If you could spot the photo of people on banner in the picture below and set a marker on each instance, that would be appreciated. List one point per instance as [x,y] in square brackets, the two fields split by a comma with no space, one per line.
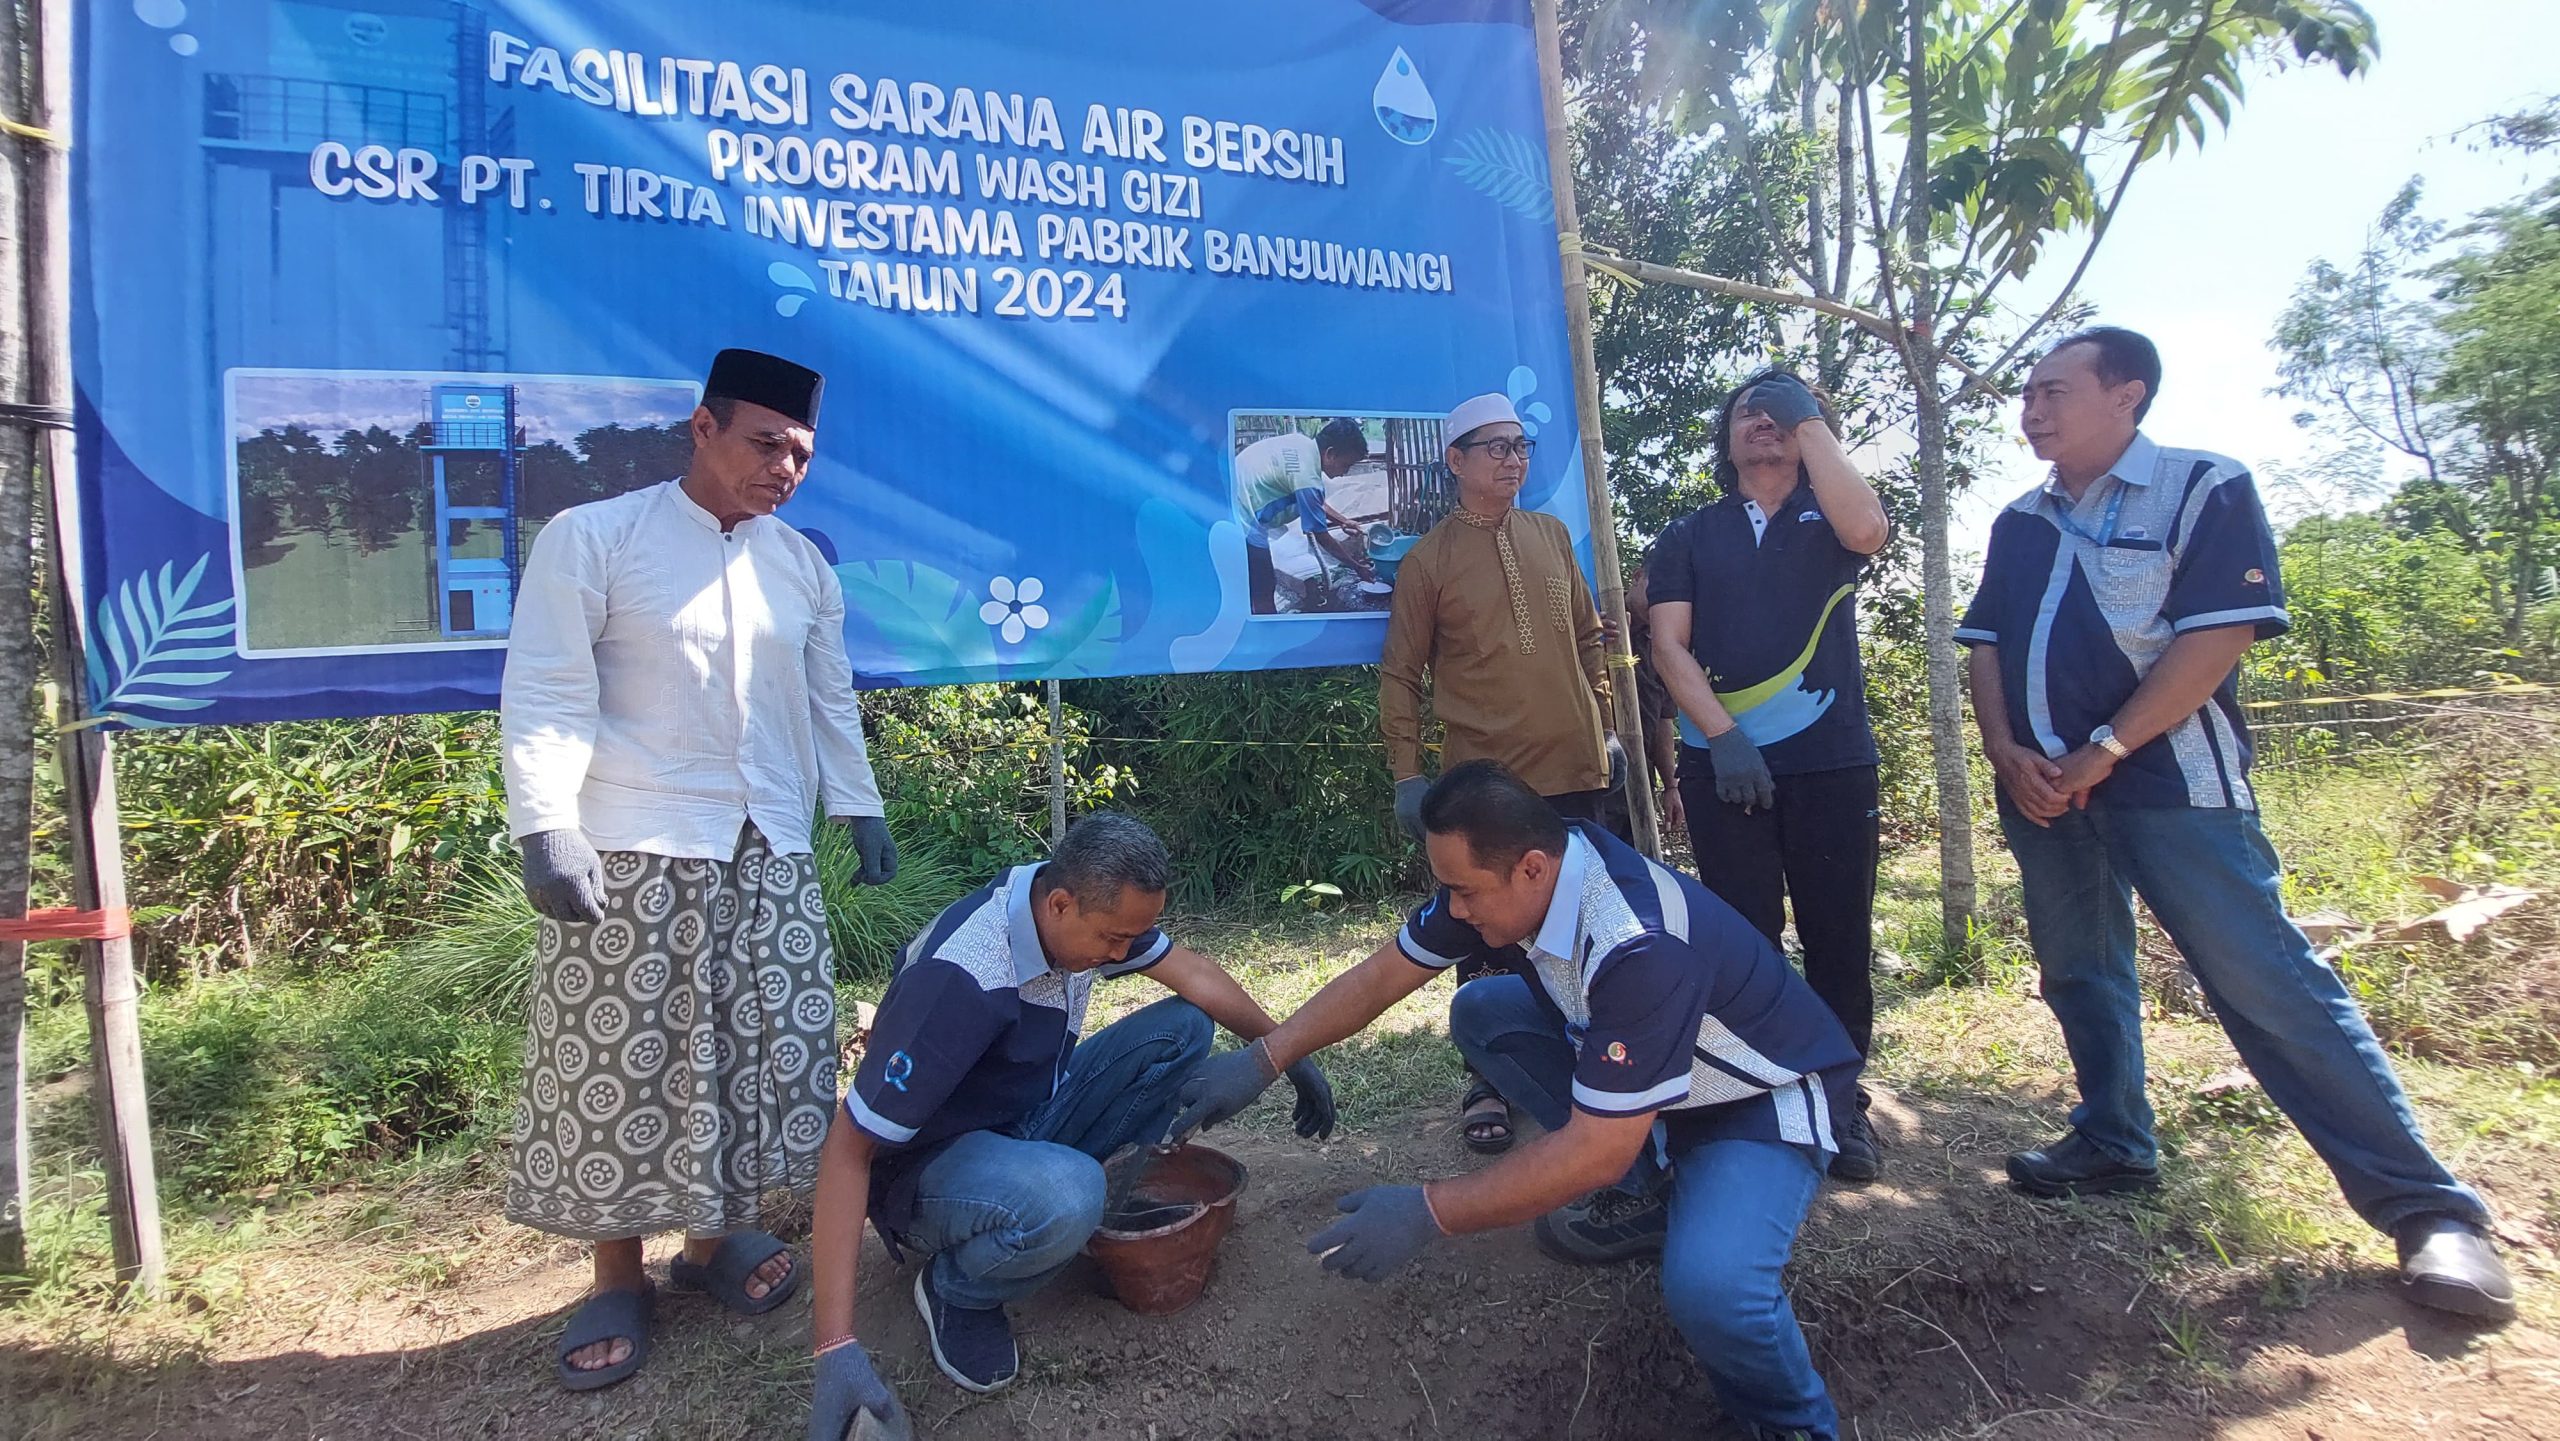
[1330,504]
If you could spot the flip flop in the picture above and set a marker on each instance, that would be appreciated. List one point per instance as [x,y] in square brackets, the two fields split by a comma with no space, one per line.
[1498,1135]
[724,1276]
[607,1315]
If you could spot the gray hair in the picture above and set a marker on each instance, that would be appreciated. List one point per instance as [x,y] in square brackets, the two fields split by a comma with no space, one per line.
[1103,854]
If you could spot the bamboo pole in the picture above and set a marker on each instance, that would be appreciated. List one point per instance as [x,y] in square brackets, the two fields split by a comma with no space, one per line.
[1628,719]
[19,661]
[87,759]
[1057,767]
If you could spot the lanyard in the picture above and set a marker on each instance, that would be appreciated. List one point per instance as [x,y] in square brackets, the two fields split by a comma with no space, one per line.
[2107,529]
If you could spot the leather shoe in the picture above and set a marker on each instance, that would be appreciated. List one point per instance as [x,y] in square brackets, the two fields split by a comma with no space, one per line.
[2447,1264]
[2074,1166]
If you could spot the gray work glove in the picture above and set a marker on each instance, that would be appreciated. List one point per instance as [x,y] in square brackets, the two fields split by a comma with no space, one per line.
[1382,1228]
[1617,762]
[871,843]
[849,1385]
[1315,1114]
[1222,1086]
[1409,804]
[1784,399]
[563,876]
[1742,776]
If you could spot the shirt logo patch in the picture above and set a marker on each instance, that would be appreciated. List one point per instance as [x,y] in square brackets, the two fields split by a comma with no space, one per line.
[1617,1052]
[2254,576]
[1804,516]
[900,1066]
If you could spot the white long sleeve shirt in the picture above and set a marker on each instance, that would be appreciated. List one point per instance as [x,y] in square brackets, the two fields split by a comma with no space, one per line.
[668,681]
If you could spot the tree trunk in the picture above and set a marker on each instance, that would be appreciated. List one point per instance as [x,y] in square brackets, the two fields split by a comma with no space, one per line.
[1948,746]
[18,659]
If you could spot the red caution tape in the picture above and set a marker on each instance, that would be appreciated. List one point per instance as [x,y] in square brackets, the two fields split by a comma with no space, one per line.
[61,923]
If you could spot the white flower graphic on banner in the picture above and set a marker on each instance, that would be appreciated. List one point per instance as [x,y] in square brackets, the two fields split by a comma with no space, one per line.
[1016,610]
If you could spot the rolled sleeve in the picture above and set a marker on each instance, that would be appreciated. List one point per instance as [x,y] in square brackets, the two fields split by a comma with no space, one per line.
[2226,570]
[548,696]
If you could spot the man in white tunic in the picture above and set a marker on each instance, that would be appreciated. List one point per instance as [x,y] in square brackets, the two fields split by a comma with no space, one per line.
[678,710]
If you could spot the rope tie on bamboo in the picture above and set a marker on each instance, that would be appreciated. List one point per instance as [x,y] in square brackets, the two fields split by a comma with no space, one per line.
[64,923]
[36,417]
[38,134]
[1598,261]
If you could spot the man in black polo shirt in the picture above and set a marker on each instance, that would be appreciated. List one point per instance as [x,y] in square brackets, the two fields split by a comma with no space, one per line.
[975,1127]
[1755,630]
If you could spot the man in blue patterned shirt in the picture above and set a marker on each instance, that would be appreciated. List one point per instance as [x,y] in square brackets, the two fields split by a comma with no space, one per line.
[974,1130]
[1679,1066]
[2116,602]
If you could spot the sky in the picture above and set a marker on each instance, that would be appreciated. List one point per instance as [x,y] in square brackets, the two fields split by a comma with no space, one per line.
[547,409]
[2211,241]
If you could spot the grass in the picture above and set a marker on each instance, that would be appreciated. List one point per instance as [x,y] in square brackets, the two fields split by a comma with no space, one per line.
[331,595]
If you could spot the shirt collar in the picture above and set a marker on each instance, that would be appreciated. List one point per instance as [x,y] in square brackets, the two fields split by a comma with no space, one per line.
[2139,463]
[1030,961]
[1563,925]
[692,510]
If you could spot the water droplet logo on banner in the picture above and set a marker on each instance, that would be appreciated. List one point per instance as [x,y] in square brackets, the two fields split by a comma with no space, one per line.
[1405,107]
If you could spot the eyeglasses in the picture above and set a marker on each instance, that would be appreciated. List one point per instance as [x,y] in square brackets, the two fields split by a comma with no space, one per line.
[1510,447]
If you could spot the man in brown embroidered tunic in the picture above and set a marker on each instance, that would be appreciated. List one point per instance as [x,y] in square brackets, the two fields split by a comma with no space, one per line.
[1492,605]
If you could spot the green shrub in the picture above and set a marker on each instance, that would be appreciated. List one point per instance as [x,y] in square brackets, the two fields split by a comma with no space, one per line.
[255,1079]
[1258,782]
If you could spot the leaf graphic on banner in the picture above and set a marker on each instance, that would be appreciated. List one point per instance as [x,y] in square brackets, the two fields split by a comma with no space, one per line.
[1508,168]
[925,620]
[142,637]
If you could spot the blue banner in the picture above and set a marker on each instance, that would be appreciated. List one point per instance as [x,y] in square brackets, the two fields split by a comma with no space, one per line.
[367,292]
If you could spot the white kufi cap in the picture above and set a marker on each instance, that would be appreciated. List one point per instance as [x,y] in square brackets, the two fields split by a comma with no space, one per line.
[1489,409]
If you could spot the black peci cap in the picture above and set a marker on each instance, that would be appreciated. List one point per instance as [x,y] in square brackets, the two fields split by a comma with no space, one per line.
[782,386]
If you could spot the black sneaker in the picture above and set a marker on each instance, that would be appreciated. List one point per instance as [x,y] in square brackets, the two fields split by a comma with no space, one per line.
[2074,1166]
[1857,1161]
[1604,1228]
[973,1347]
[2449,1265]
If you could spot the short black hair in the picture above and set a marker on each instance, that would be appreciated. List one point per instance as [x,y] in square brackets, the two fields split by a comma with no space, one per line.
[1501,818]
[2122,355]
[1344,437]
[723,408]
[1728,479]
[1104,854]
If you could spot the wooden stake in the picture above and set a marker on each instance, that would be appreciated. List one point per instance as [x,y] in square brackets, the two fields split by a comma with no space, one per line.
[88,762]
[19,662]
[1629,720]
[1057,767]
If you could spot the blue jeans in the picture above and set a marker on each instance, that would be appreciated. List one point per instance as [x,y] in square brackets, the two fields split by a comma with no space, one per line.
[999,1214]
[1734,1209]
[2210,878]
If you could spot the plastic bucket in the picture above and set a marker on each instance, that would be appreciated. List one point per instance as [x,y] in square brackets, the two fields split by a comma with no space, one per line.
[1157,1250]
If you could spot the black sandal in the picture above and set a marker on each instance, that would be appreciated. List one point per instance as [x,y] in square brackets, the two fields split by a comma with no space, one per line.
[1488,1134]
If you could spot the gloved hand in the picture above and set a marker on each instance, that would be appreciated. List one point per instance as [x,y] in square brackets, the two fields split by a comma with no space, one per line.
[563,875]
[1742,776]
[1315,1113]
[1617,762]
[1384,1227]
[1224,1085]
[871,842]
[847,1386]
[1409,804]
[1784,399]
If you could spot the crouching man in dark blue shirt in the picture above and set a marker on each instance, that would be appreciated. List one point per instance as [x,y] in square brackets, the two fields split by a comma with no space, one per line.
[1677,1063]
[975,1129]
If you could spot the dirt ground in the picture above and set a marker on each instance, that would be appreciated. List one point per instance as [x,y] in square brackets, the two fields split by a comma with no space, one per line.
[1938,1305]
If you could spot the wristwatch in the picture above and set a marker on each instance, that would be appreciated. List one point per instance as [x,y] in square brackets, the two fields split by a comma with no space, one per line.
[2104,738]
